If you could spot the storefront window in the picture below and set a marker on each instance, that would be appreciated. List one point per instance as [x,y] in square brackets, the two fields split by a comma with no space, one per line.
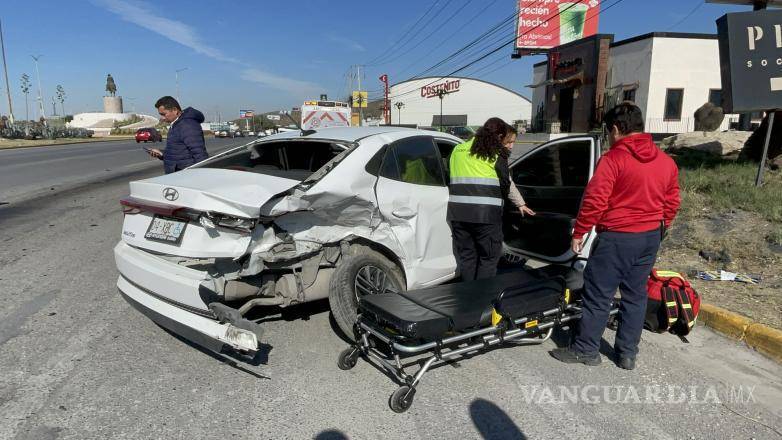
[673,104]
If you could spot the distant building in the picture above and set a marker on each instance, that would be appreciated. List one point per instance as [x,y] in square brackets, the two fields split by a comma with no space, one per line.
[668,75]
[467,101]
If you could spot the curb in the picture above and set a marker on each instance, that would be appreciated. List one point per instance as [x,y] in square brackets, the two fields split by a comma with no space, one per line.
[75,141]
[760,337]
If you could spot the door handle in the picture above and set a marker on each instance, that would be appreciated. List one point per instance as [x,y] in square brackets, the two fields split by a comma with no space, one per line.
[404,212]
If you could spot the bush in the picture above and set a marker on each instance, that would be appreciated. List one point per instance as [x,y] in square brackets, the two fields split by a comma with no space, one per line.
[132,120]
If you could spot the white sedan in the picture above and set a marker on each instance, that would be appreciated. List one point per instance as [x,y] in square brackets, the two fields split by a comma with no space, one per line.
[336,213]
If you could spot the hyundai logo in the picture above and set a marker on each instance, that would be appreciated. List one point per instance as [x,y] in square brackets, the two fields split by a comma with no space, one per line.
[170,194]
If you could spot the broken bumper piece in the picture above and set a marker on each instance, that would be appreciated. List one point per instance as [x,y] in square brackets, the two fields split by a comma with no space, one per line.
[242,336]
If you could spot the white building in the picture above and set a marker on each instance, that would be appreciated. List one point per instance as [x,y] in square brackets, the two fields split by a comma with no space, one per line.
[465,101]
[668,75]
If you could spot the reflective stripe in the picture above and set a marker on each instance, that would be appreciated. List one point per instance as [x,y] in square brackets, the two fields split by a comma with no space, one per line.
[493,201]
[491,181]
[671,303]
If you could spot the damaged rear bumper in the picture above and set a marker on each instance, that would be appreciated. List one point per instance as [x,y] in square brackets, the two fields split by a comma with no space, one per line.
[206,332]
[169,295]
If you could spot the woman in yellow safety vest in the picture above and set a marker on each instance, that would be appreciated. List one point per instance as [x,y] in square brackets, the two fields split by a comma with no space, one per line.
[480,182]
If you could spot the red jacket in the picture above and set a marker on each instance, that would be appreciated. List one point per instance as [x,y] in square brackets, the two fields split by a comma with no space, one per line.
[635,186]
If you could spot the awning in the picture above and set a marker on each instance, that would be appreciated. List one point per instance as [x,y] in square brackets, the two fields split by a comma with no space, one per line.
[449,121]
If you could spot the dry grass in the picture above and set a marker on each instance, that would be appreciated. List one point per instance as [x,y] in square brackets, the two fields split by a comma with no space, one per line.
[722,210]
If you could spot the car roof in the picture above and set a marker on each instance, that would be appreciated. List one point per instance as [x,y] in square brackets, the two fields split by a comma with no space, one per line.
[353,134]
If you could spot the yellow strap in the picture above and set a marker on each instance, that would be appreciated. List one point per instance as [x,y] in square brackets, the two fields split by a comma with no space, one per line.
[668,274]
[567,296]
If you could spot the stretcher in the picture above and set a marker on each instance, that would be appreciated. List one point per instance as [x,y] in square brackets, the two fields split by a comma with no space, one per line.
[429,327]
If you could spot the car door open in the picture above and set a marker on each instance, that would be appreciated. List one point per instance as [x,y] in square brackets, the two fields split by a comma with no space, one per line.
[551,178]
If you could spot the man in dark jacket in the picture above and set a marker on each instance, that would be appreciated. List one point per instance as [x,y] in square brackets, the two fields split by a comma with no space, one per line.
[185,143]
[633,195]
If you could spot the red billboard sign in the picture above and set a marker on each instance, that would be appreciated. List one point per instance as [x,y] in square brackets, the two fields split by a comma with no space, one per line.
[543,24]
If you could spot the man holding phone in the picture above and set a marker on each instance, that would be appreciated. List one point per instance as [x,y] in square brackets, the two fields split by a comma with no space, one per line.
[185,144]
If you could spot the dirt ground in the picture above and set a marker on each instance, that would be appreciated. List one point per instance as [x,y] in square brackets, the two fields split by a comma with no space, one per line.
[742,235]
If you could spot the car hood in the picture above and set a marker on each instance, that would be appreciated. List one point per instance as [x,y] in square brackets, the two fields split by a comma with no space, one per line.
[231,192]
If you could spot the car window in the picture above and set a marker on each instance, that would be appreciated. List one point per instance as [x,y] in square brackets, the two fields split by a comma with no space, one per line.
[414,160]
[564,164]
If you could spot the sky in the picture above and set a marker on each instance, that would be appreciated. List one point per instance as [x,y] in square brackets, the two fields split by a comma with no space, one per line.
[271,55]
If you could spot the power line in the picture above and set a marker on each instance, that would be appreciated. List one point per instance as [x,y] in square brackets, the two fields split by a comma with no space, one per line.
[508,43]
[484,8]
[695,9]
[403,37]
[486,34]
[422,40]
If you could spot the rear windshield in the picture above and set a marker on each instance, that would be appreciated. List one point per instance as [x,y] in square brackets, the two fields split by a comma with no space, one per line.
[295,160]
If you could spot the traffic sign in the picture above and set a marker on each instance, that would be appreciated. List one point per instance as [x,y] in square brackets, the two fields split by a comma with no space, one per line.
[360,99]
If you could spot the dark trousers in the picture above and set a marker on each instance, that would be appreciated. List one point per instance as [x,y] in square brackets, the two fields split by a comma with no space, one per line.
[478,248]
[624,261]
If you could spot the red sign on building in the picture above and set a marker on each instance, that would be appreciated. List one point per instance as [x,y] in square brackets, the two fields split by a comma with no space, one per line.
[543,24]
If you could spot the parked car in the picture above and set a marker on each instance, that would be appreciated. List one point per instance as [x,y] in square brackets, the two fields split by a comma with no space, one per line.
[148,135]
[338,214]
[461,132]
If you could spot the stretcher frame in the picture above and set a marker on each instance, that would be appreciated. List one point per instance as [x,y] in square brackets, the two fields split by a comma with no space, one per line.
[527,330]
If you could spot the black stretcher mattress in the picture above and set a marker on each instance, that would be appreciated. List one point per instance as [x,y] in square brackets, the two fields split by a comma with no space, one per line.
[433,312]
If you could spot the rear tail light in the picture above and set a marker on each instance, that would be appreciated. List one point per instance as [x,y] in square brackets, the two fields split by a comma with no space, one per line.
[132,205]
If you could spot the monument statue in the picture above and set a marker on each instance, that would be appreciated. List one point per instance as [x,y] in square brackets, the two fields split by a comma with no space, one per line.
[110,86]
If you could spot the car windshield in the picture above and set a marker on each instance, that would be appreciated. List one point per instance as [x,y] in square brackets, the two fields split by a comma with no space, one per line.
[304,160]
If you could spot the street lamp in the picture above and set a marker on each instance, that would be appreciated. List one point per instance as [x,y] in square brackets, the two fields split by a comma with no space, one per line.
[40,95]
[441,94]
[176,74]
[399,106]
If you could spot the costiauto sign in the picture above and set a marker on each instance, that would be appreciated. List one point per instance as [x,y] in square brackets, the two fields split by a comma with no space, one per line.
[448,86]
[543,24]
[751,60]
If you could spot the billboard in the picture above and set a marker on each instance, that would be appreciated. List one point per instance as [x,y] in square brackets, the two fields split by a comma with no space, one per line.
[751,60]
[243,114]
[543,24]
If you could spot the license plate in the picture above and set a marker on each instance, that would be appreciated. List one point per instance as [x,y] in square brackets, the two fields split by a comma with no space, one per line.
[167,230]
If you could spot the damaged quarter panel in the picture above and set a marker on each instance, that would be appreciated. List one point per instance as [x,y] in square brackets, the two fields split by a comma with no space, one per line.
[341,205]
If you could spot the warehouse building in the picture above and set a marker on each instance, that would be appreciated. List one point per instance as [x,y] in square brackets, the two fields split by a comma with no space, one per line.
[465,101]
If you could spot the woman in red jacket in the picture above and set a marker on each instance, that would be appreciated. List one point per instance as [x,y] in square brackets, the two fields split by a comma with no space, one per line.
[632,198]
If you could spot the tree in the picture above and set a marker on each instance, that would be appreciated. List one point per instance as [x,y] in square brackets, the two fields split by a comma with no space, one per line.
[61,97]
[26,91]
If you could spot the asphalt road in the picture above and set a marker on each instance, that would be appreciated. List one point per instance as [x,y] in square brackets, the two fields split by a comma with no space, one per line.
[29,171]
[77,362]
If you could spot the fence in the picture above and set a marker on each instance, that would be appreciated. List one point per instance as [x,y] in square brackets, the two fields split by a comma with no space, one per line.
[683,125]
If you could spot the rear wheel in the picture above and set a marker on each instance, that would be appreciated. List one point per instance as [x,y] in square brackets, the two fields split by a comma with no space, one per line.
[402,399]
[363,272]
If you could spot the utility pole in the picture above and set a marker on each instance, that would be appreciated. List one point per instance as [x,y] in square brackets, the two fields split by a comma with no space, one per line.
[360,97]
[176,75]
[40,93]
[5,70]
[399,106]
[54,107]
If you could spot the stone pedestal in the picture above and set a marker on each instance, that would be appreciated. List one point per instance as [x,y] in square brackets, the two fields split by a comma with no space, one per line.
[112,104]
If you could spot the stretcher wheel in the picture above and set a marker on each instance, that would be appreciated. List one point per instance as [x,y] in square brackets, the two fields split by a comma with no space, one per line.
[402,399]
[347,359]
